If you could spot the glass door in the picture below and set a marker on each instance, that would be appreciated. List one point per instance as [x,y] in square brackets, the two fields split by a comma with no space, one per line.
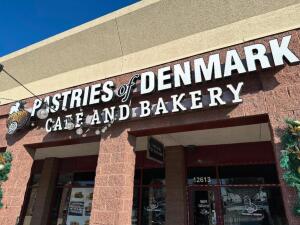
[204,206]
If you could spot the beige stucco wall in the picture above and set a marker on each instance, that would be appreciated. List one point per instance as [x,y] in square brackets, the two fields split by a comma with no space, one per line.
[147,33]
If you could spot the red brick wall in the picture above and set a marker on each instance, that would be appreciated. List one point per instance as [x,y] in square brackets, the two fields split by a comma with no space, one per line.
[113,191]
[14,189]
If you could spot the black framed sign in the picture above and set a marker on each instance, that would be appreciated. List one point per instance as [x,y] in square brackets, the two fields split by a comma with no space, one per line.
[156,150]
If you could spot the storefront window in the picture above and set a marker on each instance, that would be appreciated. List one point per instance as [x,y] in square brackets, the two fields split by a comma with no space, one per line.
[72,183]
[135,206]
[73,199]
[64,179]
[153,205]
[235,195]
[149,197]
[252,206]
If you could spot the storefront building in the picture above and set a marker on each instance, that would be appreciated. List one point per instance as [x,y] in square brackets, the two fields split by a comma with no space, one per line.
[155,114]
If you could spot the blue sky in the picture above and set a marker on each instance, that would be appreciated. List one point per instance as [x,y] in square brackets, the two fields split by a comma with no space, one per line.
[24,22]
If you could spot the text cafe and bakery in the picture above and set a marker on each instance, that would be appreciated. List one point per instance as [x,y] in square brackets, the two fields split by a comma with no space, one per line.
[208,139]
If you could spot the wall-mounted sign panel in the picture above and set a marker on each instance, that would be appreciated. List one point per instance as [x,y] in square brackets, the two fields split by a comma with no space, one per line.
[156,150]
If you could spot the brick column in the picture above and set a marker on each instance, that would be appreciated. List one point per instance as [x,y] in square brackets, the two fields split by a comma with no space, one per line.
[45,192]
[15,187]
[113,191]
[175,186]
[289,195]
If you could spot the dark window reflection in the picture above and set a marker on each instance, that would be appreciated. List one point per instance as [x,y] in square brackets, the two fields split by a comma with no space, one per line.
[149,197]
[135,206]
[204,207]
[252,206]
[153,176]
[248,174]
[153,206]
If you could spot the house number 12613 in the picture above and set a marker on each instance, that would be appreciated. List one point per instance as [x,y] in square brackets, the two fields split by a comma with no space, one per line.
[201,180]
